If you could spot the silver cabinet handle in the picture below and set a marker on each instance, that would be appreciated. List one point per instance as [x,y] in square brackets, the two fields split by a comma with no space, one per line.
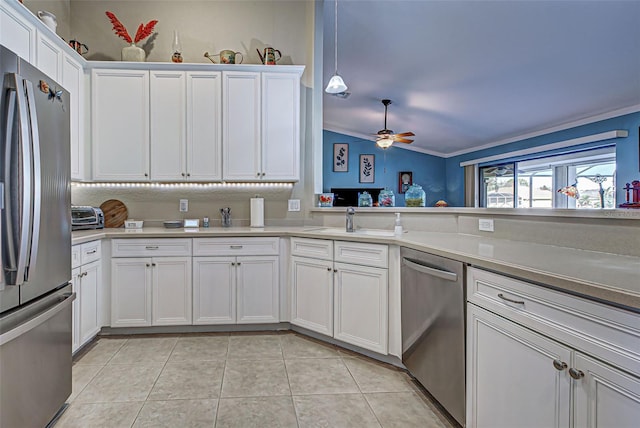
[146,174]
[575,373]
[92,251]
[416,265]
[151,247]
[233,263]
[184,175]
[235,247]
[258,174]
[188,174]
[517,302]
[335,271]
[559,365]
[148,265]
[238,264]
[329,269]
[153,264]
[263,174]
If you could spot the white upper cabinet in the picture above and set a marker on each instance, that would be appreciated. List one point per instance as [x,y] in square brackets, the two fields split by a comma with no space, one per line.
[185,126]
[73,81]
[204,126]
[16,33]
[241,126]
[280,126]
[261,131]
[168,134]
[120,124]
[49,57]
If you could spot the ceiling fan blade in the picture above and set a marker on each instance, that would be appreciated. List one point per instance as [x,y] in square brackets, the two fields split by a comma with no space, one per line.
[406,134]
[402,140]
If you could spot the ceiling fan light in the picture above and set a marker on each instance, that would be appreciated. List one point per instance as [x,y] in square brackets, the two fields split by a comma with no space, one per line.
[336,85]
[384,143]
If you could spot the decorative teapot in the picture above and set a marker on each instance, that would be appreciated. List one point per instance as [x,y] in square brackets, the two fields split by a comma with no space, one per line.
[269,57]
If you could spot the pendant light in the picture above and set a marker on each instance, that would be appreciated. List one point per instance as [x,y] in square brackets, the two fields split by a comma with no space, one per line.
[336,84]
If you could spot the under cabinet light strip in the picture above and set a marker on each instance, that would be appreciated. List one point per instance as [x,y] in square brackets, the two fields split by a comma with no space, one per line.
[609,135]
[185,185]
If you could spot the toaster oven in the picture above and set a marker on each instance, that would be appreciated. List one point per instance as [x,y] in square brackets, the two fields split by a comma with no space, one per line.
[83,218]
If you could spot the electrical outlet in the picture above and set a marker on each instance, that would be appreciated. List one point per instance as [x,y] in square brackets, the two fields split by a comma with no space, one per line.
[485,224]
[184,205]
[294,204]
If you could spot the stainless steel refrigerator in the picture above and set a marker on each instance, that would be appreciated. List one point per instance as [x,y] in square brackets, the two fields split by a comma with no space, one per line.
[35,227]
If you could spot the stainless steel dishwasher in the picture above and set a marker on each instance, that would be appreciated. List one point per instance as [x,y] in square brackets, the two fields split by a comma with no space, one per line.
[433,326]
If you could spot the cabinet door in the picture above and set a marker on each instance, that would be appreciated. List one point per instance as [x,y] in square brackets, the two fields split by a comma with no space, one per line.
[312,294]
[89,307]
[258,289]
[75,310]
[509,368]
[360,306]
[17,34]
[171,291]
[49,57]
[73,81]
[168,134]
[130,292]
[604,396]
[280,126]
[241,126]
[204,126]
[120,125]
[214,290]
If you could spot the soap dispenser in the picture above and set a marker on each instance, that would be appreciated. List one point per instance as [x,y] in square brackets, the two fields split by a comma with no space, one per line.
[397,230]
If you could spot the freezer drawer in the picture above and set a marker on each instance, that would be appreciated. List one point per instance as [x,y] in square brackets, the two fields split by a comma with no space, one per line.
[37,336]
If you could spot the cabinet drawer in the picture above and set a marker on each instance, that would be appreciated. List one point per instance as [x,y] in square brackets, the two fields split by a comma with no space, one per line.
[76,256]
[358,253]
[315,248]
[90,251]
[172,247]
[235,246]
[595,328]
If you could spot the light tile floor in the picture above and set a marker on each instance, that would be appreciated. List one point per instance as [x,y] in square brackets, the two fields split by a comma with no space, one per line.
[240,380]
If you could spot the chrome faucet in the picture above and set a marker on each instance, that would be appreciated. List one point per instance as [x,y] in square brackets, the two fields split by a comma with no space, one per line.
[350,213]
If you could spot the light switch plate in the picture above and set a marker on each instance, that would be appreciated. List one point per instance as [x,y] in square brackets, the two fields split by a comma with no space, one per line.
[485,224]
[184,205]
[294,204]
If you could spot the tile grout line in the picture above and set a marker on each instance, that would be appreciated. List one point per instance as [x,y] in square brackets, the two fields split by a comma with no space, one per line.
[224,369]
[286,372]
[154,382]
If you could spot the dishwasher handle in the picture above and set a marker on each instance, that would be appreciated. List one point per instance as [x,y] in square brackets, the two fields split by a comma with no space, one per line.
[422,268]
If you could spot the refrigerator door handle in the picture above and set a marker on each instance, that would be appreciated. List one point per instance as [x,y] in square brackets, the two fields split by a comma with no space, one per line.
[15,216]
[34,239]
[9,245]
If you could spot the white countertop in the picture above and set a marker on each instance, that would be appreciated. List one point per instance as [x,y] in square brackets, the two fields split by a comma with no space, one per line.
[611,278]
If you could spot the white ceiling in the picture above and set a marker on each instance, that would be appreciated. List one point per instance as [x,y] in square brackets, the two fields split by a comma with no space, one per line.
[465,74]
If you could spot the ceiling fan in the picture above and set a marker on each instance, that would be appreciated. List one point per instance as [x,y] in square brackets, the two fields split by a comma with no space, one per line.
[385,137]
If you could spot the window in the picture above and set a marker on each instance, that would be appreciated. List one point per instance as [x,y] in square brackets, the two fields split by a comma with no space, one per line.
[548,182]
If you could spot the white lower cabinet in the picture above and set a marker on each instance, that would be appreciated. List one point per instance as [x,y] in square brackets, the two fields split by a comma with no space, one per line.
[151,282]
[541,358]
[604,396]
[86,283]
[312,294]
[360,306]
[171,291]
[233,283]
[511,368]
[130,292]
[214,290]
[348,301]
[151,291]
[258,289]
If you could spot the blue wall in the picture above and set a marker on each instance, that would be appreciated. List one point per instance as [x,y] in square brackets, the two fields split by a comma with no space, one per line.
[428,171]
[627,168]
[444,178]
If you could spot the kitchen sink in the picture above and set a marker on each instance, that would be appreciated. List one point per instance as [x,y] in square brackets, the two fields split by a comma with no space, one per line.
[338,230]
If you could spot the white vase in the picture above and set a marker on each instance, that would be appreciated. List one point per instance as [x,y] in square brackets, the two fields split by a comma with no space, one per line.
[133,53]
